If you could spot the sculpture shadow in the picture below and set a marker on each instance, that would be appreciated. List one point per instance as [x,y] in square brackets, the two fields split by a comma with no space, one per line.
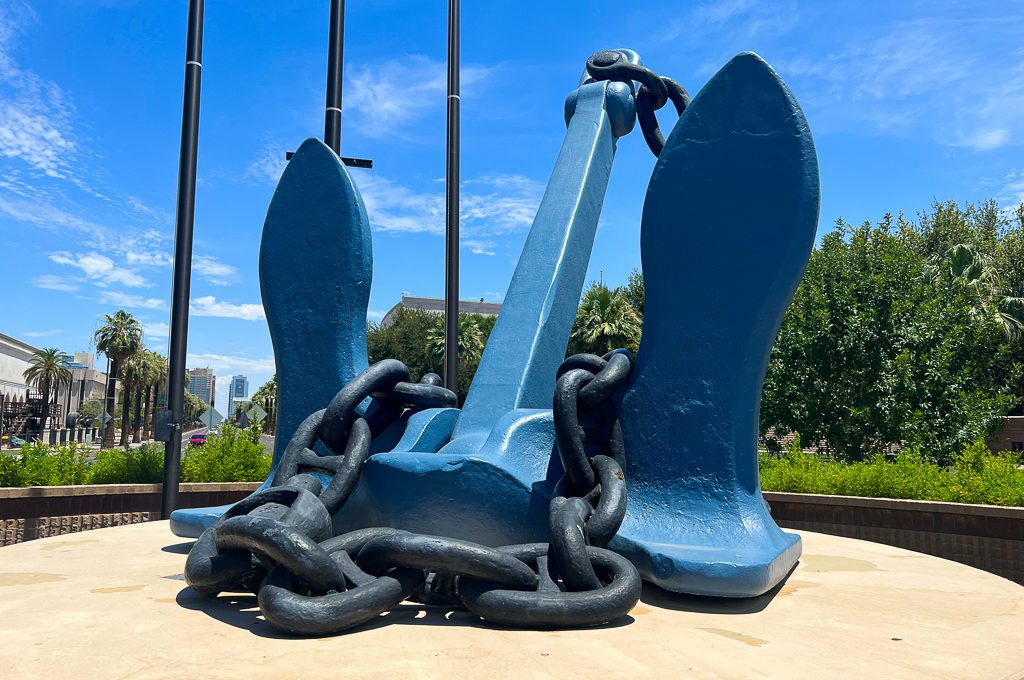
[702,604]
[242,611]
[179,548]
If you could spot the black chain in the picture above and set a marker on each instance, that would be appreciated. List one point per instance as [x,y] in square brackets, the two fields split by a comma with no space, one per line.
[655,92]
[277,543]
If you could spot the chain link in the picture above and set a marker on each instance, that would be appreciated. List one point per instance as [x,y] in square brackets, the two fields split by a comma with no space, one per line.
[655,92]
[277,543]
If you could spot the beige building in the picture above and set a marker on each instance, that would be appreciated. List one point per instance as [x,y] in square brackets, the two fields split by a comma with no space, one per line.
[15,358]
[436,306]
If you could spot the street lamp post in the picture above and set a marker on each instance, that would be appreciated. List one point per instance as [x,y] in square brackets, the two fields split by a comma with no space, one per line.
[185,219]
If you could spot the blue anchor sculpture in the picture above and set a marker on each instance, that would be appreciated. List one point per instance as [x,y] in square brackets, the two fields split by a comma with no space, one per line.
[728,224]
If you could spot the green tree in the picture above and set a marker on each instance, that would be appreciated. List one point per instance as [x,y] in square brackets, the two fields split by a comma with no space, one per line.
[875,352]
[48,370]
[119,337]
[156,374]
[91,408]
[605,321]
[133,374]
[634,291]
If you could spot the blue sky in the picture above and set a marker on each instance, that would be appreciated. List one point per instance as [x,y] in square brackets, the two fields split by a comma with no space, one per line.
[908,101]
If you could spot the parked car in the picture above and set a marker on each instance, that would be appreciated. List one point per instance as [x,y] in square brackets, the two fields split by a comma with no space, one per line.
[197,439]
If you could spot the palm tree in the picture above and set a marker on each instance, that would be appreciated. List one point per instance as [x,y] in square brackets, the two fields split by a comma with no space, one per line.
[471,340]
[974,271]
[156,373]
[119,337]
[134,372]
[48,370]
[604,321]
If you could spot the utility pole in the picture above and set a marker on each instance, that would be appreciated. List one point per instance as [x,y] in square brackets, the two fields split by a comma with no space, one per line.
[451,269]
[184,222]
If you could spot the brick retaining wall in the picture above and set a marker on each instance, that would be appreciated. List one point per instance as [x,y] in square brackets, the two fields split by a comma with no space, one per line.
[983,536]
[41,511]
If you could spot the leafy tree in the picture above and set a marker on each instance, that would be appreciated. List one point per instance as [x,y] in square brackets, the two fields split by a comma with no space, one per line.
[91,408]
[875,352]
[605,321]
[119,337]
[416,338]
[634,291]
[48,370]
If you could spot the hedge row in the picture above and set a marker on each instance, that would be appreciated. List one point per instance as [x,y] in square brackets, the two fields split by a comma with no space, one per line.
[976,476]
[233,455]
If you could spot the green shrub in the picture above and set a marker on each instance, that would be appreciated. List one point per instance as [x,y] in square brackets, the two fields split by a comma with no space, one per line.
[144,465]
[976,476]
[233,455]
[41,465]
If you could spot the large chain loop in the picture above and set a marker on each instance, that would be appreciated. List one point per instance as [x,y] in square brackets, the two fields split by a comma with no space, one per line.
[277,542]
[654,92]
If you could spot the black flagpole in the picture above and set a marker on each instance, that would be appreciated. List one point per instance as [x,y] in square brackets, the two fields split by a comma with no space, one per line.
[451,294]
[335,52]
[183,254]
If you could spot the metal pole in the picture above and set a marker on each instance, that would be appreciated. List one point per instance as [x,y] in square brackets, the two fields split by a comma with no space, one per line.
[451,293]
[335,52]
[183,253]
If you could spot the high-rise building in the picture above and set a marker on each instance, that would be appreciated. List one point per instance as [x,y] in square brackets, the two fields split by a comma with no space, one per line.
[203,383]
[239,390]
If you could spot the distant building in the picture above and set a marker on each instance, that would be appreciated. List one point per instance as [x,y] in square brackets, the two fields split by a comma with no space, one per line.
[203,383]
[238,392]
[436,306]
[86,382]
[15,358]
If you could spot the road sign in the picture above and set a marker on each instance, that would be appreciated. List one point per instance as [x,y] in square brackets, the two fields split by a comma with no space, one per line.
[257,413]
[211,418]
[105,417]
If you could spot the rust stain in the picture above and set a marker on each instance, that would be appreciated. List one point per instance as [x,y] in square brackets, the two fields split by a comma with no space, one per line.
[793,586]
[21,578]
[117,589]
[739,637]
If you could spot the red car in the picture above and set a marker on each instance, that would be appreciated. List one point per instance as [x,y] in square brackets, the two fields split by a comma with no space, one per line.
[197,439]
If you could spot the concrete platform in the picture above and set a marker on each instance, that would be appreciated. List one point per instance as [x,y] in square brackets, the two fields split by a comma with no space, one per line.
[111,603]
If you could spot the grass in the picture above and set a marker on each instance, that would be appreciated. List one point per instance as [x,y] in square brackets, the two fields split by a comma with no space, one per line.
[976,476]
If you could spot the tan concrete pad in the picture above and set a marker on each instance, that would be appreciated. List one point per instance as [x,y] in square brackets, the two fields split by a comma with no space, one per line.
[111,603]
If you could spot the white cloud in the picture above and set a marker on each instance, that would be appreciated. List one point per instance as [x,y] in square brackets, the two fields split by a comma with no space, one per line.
[210,306]
[479,247]
[926,75]
[35,116]
[489,206]
[268,164]
[53,282]
[1011,191]
[224,363]
[213,270]
[155,329]
[118,299]
[384,97]
[375,315]
[100,269]
[149,259]
[42,334]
